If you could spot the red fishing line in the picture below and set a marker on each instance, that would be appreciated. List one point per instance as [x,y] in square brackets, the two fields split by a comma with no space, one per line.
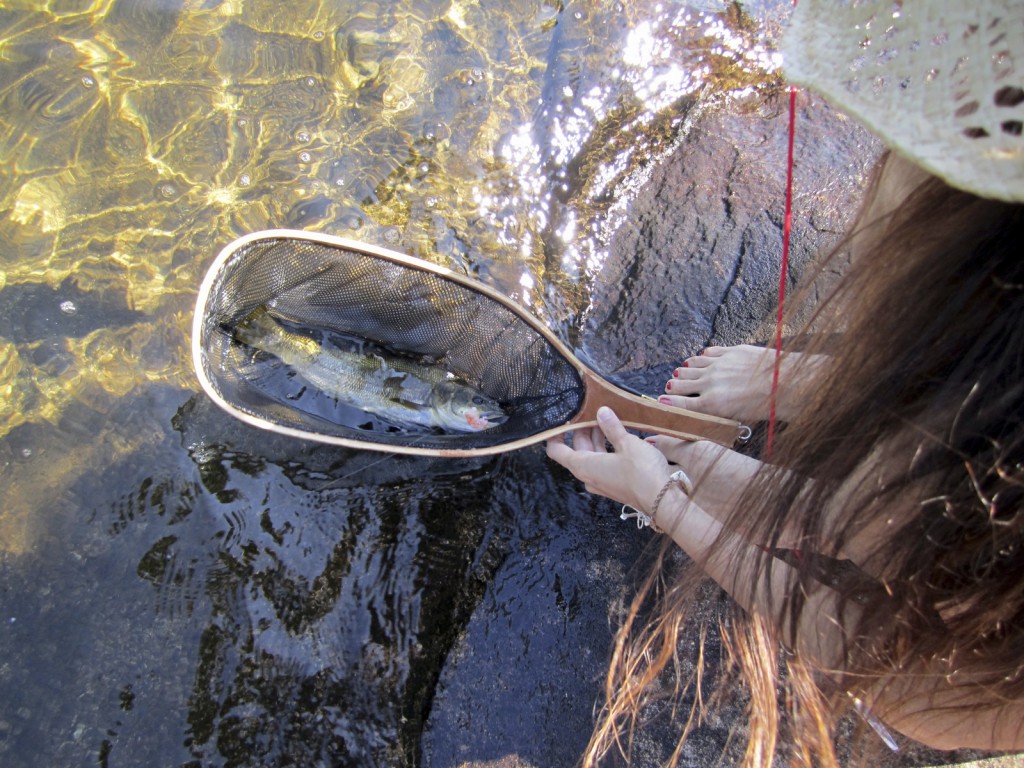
[787,227]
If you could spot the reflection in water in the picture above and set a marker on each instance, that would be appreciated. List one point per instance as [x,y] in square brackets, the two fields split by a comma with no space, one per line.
[324,642]
[337,584]
[300,602]
[215,597]
[601,127]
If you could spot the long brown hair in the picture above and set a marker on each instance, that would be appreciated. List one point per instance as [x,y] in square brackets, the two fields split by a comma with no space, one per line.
[909,451]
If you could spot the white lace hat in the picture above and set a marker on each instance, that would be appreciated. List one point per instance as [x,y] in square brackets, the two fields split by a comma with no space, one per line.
[940,81]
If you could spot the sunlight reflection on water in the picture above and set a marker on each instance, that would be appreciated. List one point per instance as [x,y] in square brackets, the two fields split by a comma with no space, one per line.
[134,139]
[137,137]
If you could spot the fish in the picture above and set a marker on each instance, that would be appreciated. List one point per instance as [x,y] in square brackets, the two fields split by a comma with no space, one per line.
[396,389]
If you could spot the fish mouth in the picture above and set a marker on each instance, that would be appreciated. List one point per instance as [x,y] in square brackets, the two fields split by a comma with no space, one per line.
[479,420]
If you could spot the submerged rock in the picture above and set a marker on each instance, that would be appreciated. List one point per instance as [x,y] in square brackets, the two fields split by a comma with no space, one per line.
[32,311]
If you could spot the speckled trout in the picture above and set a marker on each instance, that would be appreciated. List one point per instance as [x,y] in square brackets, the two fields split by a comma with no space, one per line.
[394,389]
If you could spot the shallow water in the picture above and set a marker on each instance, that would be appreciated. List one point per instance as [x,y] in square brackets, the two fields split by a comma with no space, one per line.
[176,588]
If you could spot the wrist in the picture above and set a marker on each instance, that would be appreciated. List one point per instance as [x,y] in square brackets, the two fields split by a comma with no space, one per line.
[673,496]
[670,510]
[677,482]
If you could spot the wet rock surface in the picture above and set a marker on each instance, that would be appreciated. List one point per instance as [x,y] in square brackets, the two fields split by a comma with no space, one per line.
[698,260]
[178,588]
[31,312]
[283,603]
[697,264]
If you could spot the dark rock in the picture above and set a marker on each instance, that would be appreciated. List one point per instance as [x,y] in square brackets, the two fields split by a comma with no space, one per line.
[698,263]
[698,260]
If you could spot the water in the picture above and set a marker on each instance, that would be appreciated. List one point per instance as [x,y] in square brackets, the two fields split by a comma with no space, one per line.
[178,589]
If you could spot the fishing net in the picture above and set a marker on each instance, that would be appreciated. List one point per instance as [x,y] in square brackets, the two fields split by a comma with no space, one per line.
[347,295]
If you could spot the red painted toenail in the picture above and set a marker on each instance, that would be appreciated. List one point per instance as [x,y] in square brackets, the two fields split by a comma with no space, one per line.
[664,401]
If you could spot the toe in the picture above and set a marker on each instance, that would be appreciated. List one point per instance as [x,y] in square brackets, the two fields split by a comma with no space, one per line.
[686,374]
[682,387]
[690,401]
[678,401]
[695,362]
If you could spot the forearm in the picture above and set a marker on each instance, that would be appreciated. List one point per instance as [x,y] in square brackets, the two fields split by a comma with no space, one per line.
[924,705]
[635,472]
[733,562]
[720,478]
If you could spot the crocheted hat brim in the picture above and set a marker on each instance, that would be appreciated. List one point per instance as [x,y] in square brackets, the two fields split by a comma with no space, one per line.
[939,81]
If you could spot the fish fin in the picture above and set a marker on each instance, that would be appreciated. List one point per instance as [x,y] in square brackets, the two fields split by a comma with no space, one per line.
[415,391]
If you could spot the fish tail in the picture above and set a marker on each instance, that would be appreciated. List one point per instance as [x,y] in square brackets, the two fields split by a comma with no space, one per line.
[256,326]
[260,330]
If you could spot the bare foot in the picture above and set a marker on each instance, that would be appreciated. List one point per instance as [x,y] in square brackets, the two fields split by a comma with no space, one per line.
[736,382]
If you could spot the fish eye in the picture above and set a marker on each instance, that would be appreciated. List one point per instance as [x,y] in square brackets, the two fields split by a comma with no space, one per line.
[477,400]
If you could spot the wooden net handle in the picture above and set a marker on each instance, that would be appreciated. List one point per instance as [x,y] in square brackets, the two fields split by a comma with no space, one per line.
[649,415]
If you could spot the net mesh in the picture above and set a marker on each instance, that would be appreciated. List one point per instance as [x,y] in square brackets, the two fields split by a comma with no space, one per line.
[343,296]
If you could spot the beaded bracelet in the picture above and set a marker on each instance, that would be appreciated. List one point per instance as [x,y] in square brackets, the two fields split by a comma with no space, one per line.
[644,520]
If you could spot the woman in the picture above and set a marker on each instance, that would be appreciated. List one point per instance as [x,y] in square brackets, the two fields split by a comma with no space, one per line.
[882,550]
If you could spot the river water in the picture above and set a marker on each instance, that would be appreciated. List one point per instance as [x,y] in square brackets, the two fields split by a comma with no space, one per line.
[179,589]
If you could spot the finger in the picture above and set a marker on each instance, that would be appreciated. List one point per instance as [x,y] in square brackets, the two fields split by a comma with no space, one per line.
[695,456]
[663,442]
[559,452]
[611,427]
[598,439]
[673,449]
[581,440]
